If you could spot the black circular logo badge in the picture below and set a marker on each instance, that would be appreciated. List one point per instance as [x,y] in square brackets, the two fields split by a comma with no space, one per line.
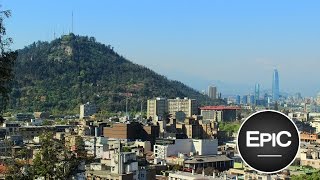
[268,141]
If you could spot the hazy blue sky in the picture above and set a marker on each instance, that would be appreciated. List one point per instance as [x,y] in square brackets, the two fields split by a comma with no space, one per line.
[230,43]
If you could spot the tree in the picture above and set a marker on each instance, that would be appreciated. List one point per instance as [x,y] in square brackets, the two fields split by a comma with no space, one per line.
[53,161]
[80,148]
[18,165]
[126,149]
[7,58]
[176,167]
[45,161]
[313,176]
[230,127]
[47,122]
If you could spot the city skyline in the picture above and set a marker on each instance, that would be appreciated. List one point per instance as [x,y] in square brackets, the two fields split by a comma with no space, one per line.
[143,90]
[230,44]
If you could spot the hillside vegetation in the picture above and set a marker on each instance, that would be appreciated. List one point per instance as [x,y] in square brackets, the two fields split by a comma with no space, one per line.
[58,76]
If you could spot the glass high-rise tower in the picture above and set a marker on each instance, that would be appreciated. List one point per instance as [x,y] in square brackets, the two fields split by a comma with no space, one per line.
[275,85]
[257,92]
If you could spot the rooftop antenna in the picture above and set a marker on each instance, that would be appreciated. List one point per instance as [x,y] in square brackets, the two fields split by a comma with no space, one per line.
[54,33]
[72,22]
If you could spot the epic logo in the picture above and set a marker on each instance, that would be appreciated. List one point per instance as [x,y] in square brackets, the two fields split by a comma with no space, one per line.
[268,141]
[266,137]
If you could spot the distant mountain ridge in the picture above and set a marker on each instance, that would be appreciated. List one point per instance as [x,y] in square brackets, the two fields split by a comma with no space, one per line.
[58,76]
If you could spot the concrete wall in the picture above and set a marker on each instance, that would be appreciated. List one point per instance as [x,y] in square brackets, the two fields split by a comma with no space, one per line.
[186,146]
[145,144]
[205,146]
[180,146]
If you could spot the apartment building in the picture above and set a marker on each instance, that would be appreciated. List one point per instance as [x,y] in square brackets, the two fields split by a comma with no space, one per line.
[179,108]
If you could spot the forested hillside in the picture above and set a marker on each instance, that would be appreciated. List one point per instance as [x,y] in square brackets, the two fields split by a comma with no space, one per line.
[58,76]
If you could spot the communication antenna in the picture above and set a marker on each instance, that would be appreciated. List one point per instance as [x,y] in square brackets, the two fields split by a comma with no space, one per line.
[72,22]
[54,33]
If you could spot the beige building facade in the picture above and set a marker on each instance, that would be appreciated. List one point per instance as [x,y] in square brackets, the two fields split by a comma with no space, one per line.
[179,108]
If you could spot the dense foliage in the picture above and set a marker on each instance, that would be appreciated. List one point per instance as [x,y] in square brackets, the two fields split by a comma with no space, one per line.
[60,75]
[7,58]
[230,127]
[53,161]
[313,176]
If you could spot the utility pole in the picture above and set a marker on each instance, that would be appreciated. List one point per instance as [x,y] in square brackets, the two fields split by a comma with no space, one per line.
[141,110]
[127,107]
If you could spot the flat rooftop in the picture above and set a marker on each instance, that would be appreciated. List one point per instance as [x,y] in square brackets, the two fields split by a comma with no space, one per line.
[207,159]
[105,173]
[182,174]
[220,108]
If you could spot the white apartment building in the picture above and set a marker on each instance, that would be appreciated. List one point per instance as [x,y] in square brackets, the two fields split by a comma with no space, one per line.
[316,124]
[95,146]
[185,146]
[121,162]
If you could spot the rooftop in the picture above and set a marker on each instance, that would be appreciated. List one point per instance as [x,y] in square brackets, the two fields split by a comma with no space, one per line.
[220,108]
[105,173]
[207,159]
[196,176]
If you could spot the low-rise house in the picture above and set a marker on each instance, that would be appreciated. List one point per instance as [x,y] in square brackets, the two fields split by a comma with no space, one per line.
[310,159]
[120,165]
[172,147]
[219,162]
[95,146]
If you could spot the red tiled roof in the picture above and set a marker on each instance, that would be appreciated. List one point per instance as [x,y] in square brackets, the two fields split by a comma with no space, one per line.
[3,168]
[220,108]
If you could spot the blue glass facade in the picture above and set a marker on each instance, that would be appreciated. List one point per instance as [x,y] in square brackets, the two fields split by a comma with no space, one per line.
[275,85]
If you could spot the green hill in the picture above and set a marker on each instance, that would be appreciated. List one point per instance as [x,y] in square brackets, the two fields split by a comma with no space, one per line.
[59,75]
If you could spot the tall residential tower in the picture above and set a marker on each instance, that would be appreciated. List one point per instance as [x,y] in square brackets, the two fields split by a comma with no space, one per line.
[212,92]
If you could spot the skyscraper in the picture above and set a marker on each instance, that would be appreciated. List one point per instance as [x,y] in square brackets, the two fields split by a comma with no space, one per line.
[257,92]
[238,99]
[244,99]
[251,99]
[275,86]
[212,92]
